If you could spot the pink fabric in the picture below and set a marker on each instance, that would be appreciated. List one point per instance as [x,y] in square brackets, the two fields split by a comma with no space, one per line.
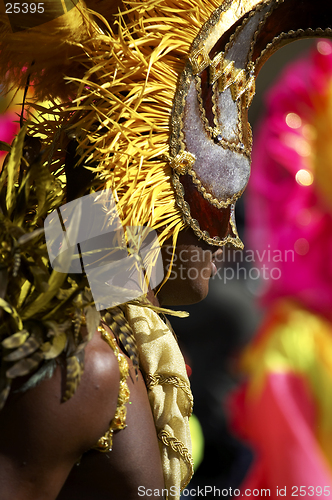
[276,202]
[8,129]
[279,418]
[280,426]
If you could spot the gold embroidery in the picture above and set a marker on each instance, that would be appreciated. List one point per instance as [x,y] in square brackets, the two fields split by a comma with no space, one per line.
[216,68]
[119,420]
[261,26]
[198,85]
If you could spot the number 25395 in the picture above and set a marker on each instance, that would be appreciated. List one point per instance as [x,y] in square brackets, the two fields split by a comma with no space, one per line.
[25,8]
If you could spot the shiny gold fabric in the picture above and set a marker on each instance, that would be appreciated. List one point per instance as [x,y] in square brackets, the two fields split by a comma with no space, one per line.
[169,393]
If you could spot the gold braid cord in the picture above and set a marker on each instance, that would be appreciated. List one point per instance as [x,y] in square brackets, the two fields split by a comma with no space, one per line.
[178,447]
[119,420]
[153,380]
[164,436]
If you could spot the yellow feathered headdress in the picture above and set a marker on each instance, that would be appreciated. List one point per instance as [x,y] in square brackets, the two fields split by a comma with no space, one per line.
[111,87]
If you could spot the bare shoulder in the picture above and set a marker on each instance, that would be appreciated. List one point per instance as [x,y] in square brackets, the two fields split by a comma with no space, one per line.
[43,437]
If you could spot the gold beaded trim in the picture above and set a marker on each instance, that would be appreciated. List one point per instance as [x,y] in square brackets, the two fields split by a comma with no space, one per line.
[214,133]
[208,196]
[194,224]
[261,25]
[198,85]
[300,33]
[202,44]
[118,422]
[239,146]
[223,71]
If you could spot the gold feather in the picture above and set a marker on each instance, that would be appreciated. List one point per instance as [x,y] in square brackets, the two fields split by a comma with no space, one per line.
[92,317]
[121,329]
[74,373]
[53,349]
[45,51]
[15,340]
[13,167]
[29,346]
[24,366]
[12,311]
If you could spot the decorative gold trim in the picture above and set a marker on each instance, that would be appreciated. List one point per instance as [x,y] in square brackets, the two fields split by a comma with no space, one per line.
[217,133]
[208,196]
[228,76]
[220,21]
[153,380]
[194,224]
[199,60]
[216,130]
[237,79]
[250,92]
[209,25]
[260,27]
[216,68]
[198,85]
[250,14]
[182,163]
[118,422]
[178,447]
[247,151]
[239,85]
[177,137]
[300,33]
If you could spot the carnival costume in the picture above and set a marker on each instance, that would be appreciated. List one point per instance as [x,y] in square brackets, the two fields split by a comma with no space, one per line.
[284,410]
[154,109]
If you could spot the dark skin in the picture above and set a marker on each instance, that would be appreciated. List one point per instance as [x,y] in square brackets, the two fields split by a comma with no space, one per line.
[43,439]
[194,264]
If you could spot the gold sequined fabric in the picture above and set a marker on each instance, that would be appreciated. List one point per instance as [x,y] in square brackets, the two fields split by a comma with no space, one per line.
[119,420]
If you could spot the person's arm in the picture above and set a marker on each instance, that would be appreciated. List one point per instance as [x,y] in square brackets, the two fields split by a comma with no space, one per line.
[42,438]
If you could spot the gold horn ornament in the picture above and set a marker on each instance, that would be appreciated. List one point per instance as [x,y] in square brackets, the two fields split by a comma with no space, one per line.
[215,89]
